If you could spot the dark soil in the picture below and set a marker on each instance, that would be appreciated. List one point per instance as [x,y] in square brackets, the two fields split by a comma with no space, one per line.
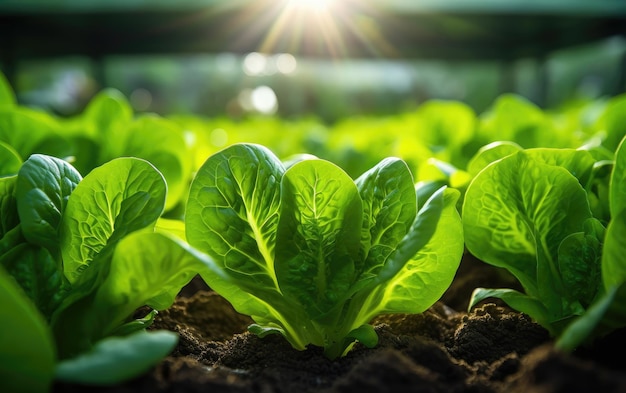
[445,349]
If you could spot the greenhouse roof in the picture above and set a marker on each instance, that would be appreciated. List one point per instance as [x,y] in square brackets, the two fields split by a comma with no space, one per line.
[446,29]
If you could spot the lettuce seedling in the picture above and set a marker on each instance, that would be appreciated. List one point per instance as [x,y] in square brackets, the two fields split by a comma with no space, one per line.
[85,254]
[313,255]
[528,213]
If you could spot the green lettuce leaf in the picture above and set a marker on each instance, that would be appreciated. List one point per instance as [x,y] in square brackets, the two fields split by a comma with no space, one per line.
[114,360]
[44,185]
[318,235]
[27,358]
[517,212]
[122,196]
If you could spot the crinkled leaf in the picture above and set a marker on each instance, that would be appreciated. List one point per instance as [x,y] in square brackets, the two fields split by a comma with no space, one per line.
[27,358]
[318,235]
[389,208]
[44,185]
[116,359]
[422,230]
[429,272]
[580,163]
[122,196]
[515,214]
[232,212]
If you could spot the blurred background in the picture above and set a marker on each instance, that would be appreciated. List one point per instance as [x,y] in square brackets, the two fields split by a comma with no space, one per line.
[296,58]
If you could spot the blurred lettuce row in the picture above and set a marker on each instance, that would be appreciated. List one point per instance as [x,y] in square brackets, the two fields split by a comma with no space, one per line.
[437,140]
[107,129]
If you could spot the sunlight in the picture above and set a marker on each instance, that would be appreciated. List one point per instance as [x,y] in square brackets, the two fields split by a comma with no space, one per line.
[317,5]
[331,28]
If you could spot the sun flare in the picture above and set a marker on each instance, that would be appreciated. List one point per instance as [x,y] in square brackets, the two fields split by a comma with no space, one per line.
[331,28]
[315,5]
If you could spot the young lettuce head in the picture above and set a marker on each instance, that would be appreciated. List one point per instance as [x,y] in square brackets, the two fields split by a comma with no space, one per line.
[526,213]
[313,255]
[608,312]
[530,212]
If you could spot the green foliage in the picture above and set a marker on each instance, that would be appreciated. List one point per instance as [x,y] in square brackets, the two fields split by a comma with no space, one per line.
[44,185]
[490,153]
[311,248]
[607,313]
[85,254]
[106,130]
[27,358]
[313,255]
[528,213]
[28,132]
[110,123]
[114,360]
[541,215]
[516,119]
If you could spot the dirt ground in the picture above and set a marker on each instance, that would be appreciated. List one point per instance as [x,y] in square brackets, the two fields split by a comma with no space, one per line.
[491,349]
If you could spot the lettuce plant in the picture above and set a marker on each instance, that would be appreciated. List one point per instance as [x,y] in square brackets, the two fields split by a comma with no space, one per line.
[608,311]
[84,255]
[529,212]
[313,255]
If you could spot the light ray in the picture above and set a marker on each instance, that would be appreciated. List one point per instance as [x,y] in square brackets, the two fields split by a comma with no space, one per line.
[331,28]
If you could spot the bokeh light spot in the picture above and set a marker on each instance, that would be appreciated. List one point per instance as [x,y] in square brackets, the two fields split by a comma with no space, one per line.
[264,100]
[219,137]
[286,63]
[254,63]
